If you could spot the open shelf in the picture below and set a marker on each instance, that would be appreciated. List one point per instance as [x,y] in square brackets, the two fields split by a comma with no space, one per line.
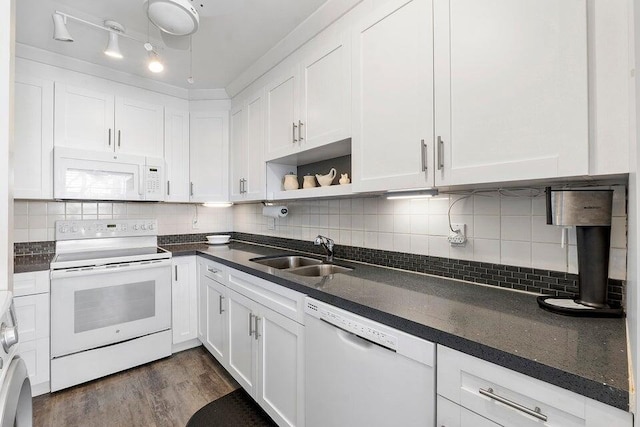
[315,192]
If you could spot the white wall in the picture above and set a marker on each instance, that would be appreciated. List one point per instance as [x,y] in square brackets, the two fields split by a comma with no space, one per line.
[7,37]
[501,229]
[35,220]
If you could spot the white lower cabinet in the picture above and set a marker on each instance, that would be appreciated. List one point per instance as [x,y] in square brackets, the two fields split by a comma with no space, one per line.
[509,398]
[212,309]
[31,301]
[252,327]
[184,302]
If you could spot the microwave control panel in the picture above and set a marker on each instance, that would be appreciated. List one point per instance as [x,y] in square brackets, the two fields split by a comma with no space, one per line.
[153,183]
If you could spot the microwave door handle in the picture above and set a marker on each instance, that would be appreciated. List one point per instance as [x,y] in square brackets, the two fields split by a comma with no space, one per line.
[141,181]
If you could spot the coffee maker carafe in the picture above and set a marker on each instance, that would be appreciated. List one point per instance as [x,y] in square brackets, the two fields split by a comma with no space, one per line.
[590,212]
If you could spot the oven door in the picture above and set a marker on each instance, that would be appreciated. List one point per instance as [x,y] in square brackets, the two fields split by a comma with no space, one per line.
[104,305]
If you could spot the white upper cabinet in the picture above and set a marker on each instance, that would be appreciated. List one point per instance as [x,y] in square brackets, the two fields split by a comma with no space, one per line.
[176,155]
[247,149]
[393,127]
[325,108]
[209,156]
[282,115]
[93,120]
[308,105]
[33,136]
[140,127]
[511,99]
[84,118]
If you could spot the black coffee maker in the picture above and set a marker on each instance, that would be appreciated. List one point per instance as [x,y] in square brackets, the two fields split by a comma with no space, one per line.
[590,212]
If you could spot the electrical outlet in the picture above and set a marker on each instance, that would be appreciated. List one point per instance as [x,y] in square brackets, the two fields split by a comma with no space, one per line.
[458,237]
[194,224]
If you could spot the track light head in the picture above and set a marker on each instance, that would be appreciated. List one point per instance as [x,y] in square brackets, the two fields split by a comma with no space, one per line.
[60,31]
[113,48]
[155,65]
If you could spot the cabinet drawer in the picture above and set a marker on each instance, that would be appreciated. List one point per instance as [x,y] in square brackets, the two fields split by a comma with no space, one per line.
[453,415]
[36,356]
[36,282]
[33,316]
[513,399]
[282,300]
[212,270]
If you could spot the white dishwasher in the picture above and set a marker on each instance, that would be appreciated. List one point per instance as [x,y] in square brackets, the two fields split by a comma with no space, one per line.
[362,373]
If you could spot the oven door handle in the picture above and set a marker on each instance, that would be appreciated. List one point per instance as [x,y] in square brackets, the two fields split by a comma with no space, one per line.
[113,268]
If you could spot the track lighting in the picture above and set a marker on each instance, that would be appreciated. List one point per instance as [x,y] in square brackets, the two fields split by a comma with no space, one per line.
[115,30]
[113,49]
[60,31]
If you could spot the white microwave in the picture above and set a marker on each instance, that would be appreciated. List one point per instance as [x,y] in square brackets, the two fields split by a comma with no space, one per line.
[94,175]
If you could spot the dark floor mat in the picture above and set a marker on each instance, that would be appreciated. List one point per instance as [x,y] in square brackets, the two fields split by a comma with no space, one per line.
[232,410]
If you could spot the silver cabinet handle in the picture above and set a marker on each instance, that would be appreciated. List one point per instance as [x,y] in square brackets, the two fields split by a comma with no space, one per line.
[191,188]
[119,138]
[256,335]
[244,185]
[250,322]
[440,153]
[294,132]
[220,298]
[175,267]
[300,130]
[168,188]
[213,270]
[240,185]
[109,137]
[423,149]
[536,413]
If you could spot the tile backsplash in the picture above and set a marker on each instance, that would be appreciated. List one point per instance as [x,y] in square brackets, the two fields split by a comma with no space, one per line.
[502,228]
[506,228]
[34,221]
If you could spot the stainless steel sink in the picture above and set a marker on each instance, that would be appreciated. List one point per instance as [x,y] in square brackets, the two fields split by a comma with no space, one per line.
[320,270]
[286,262]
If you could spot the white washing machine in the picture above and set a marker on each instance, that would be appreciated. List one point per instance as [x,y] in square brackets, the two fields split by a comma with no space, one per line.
[15,387]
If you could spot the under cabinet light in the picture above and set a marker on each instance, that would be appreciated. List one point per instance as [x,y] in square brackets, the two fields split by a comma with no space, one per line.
[217,204]
[412,194]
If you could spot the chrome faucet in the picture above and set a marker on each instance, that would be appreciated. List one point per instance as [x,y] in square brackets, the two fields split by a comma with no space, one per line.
[327,244]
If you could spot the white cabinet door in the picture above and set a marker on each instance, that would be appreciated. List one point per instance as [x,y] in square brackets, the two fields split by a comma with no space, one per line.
[36,356]
[209,156]
[392,145]
[184,299]
[453,415]
[247,149]
[280,382]
[326,93]
[242,359]
[140,127]
[176,155]
[238,151]
[511,89]
[255,186]
[214,303]
[83,118]
[32,312]
[282,104]
[33,138]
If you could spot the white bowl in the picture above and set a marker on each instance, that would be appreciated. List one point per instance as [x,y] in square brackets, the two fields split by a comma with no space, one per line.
[218,239]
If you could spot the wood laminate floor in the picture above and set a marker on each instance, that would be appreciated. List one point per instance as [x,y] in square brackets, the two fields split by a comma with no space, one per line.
[162,393]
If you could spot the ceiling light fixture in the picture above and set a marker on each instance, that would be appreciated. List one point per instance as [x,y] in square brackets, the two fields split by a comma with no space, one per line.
[60,31]
[154,64]
[176,17]
[113,49]
[412,194]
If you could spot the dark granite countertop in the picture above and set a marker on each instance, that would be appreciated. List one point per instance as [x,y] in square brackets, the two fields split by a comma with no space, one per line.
[587,356]
[29,263]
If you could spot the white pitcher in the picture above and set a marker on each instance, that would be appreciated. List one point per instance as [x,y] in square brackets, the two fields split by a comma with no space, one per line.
[327,179]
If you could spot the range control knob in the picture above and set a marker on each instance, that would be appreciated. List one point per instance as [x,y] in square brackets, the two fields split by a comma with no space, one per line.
[8,336]
[144,226]
[151,227]
[74,229]
[135,227]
